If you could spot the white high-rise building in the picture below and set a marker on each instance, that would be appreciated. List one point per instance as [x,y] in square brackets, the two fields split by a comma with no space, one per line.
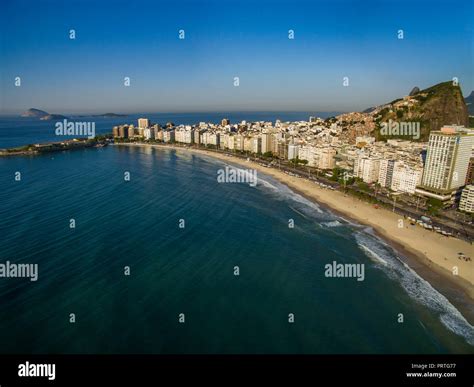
[224,141]
[267,145]
[367,168]
[405,178]
[184,136]
[179,135]
[168,136]
[214,139]
[447,161]
[386,173]
[197,136]
[293,151]
[204,138]
[143,123]
[466,203]
[248,144]
[326,158]
[147,133]
[159,135]
[210,138]
[308,153]
[239,142]
[231,142]
[256,145]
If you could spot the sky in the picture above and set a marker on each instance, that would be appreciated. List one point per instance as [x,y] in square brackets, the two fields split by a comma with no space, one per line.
[223,40]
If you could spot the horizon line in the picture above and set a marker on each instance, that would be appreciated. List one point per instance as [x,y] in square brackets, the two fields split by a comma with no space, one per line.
[183,112]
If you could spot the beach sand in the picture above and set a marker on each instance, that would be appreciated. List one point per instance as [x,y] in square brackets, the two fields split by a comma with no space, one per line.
[432,255]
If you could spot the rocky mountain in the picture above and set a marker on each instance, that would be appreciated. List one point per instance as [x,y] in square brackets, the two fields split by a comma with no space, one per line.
[439,105]
[414,91]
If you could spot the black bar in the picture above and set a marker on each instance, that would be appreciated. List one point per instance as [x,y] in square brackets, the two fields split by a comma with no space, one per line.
[316,370]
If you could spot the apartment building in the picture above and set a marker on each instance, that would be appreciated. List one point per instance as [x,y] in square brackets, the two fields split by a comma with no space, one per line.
[386,173]
[405,178]
[168,136]
[143,123]
[466,203]
[447,160]
[367,168]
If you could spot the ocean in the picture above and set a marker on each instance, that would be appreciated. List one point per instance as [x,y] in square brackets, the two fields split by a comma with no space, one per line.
[189,273]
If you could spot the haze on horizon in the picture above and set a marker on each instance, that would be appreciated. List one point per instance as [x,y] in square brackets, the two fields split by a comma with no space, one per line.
[224,40]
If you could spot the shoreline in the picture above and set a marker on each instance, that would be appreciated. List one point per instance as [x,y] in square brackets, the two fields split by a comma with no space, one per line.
[430,255]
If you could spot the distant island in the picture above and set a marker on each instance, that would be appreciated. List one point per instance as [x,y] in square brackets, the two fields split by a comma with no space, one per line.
[42,115]
[34,113]
[45,116]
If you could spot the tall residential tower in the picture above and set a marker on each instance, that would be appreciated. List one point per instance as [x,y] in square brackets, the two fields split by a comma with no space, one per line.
[447,160]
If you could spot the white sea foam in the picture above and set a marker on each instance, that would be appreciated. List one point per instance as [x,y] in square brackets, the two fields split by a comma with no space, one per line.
[372,254]
[333,223]
[415,286]
[267,184]
[285,193]
[300,199]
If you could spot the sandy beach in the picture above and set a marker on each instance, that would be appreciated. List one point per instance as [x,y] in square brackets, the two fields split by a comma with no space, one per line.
[434,256]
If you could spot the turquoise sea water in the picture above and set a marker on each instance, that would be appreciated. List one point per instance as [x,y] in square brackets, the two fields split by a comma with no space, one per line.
[191,270]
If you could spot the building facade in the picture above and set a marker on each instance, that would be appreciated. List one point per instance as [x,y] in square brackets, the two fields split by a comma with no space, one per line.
[466,203]
[447,161]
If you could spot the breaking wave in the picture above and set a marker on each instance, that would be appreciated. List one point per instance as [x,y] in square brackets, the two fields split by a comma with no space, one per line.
[334,223]
[416,287]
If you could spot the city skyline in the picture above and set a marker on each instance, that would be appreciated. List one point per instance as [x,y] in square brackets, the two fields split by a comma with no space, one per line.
[116,40]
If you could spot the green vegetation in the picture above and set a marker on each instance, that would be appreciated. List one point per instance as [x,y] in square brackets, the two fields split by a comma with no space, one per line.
[102,137]
[336,173]
[298,161]
[347,182]
[434,205]
[421,98]
[363,186]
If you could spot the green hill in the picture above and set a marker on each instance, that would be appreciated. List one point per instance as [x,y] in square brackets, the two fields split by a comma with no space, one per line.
[439,105]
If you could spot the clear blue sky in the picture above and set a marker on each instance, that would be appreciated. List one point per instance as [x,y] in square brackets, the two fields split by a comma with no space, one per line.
[227,39]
